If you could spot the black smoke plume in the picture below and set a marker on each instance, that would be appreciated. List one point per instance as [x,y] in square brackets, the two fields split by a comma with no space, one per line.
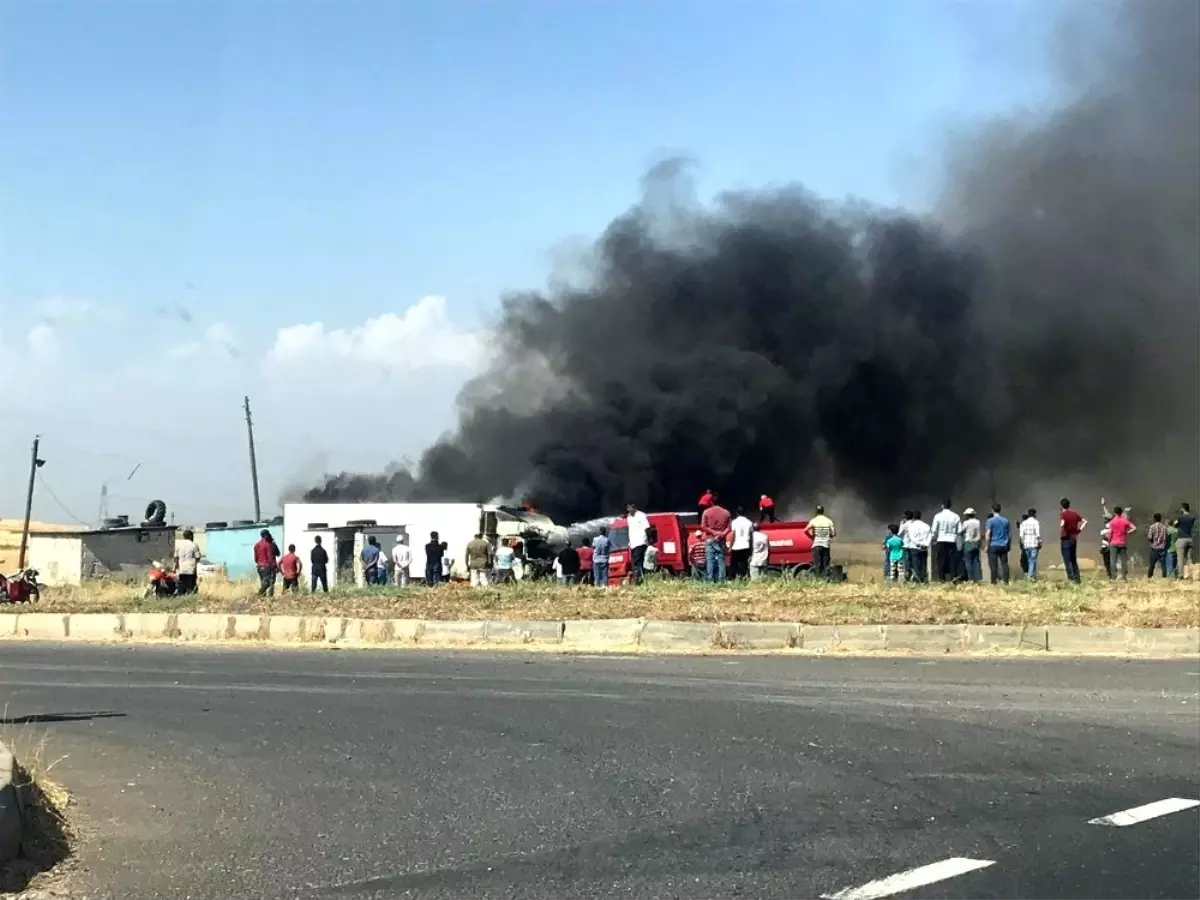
[1044,324]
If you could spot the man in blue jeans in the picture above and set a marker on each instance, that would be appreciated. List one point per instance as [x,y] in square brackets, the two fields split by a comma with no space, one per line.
[601,548]
[1070,524]
[716,525]
[999,538]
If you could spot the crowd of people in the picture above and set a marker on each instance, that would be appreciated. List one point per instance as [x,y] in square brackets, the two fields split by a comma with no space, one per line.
[955,545]
[949,548]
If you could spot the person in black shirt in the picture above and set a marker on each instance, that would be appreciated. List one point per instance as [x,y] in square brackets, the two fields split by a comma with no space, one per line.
[1185,525]
[319,563]
[568,563]
[434,551]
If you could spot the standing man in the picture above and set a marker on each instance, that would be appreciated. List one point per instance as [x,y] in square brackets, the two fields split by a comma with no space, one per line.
[401,560]
[1119,530]
[290,568]
[715,524]
[739,553]
[639,530]
[479,560]
[698,556]
[707,499]
[266,552]
[506,559]
[1156,537]
[1185,522]
[1172,560]
[971,532]
[187,559]
[822,532]
[601,548]
[760,554]
[920,536]
[370,560]
[585,563]
[945,543]
[433,560]
[1031,543]
[906,543]
[999,541]
[318,559]
[766,509]
[568,564]
[1070,525]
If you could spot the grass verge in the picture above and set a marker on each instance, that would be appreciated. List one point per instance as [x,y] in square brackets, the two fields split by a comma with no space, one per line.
[1160,603]
[47,836]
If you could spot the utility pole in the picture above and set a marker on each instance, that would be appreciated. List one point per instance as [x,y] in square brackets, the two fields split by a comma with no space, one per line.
[34,465]
[253,463]
[103,505]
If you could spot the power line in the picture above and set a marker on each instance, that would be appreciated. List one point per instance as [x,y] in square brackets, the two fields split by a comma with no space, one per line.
[61,505]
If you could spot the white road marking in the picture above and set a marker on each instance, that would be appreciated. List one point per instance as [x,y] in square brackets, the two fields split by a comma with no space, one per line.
[913,878]
[1142,813]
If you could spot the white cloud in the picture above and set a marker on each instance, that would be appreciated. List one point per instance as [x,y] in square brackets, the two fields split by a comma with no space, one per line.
[420,337]
[43,342]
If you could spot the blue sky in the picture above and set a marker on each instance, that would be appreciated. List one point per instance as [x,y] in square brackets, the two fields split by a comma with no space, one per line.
[265,164]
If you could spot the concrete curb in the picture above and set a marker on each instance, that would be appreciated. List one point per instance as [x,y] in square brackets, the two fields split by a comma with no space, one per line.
[12,825]
[611,635]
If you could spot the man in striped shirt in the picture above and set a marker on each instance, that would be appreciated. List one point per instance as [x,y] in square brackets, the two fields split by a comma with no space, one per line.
[1156,536]
[1030,533]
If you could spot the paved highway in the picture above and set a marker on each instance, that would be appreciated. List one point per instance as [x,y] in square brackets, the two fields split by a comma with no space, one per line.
[361,774]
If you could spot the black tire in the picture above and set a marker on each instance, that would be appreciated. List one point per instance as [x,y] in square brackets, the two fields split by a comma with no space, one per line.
[156,513]
[241,523]
[216,525]
[317,526]
[797,570]
[362,523]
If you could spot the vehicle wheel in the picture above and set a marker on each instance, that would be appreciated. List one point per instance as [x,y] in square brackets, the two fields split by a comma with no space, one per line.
[798,571]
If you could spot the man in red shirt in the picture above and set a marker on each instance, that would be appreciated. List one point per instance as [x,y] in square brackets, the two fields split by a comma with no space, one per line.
[1119,530]
[1070,524]
[706,500]
[266,552]
[766,509]
[585,563]
[715,524]
[289,568]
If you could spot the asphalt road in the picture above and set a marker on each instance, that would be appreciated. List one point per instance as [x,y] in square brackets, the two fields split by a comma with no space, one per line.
[354,774]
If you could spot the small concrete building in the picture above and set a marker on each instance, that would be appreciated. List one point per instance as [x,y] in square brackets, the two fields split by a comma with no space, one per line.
[124,554]
[232,546]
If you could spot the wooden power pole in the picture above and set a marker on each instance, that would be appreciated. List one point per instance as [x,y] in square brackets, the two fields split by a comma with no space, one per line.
[253,463]
[34,463]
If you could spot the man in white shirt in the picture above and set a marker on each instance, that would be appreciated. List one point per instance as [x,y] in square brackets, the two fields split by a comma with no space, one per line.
[1030,533]
[401,559]
[639,531]
[505,560]
[760,553]
[921,535]
[907,565]
[945,543]
[739,551]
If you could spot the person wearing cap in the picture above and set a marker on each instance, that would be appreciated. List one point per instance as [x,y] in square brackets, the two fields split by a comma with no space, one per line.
[970,531]
[401,560]
[766,509]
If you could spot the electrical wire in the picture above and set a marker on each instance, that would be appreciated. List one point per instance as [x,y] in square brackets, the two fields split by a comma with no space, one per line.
[61,505]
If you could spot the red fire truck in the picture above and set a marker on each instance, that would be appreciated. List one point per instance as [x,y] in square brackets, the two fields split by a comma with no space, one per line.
[790,553]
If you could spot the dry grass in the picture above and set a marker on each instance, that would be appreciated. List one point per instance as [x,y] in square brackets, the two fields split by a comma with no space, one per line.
[1138,603]
[47,839]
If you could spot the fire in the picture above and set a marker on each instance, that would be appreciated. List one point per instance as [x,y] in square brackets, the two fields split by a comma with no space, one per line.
[528,507]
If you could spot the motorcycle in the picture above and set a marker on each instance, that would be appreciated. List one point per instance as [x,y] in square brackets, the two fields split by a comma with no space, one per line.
[20,587]
[160,582]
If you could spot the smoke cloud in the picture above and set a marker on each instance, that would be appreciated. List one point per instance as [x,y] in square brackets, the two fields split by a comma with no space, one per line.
[1043,324]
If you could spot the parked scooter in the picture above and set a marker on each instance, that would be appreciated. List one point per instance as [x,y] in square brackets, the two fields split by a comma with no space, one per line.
[160,581]
[20,587]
